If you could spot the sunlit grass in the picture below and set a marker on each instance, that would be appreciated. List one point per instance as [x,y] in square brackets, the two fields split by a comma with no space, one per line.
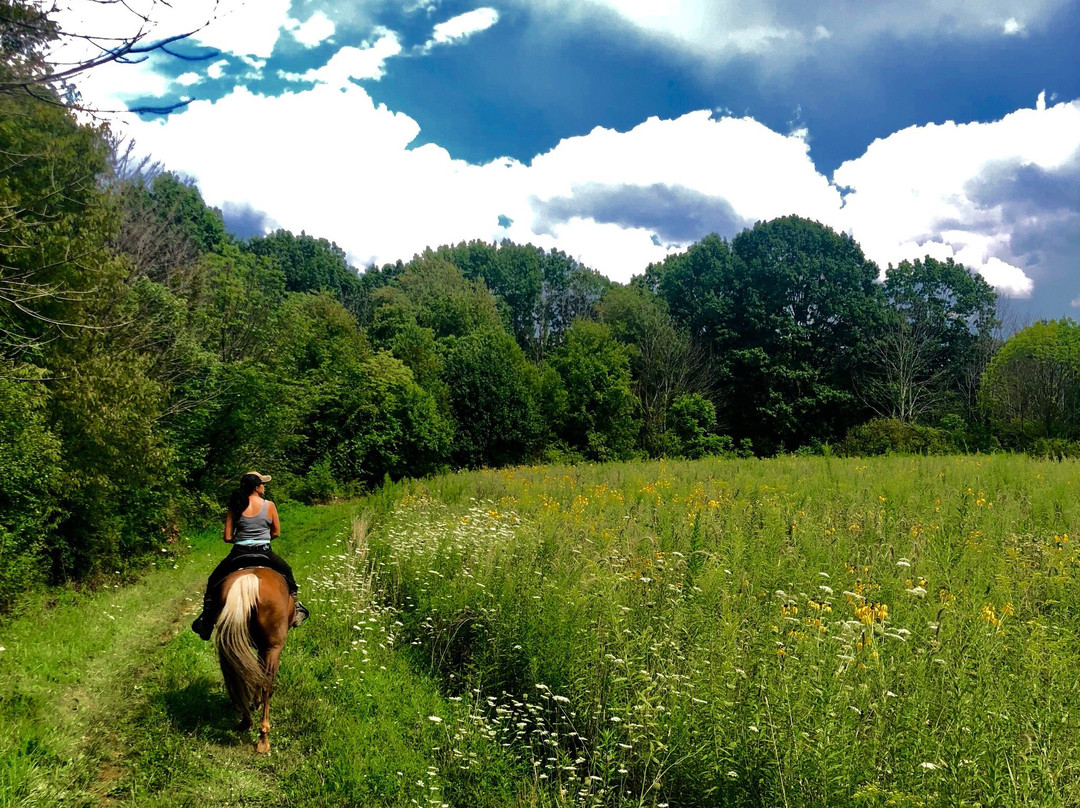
[784,632]
[108,698]
[800,632]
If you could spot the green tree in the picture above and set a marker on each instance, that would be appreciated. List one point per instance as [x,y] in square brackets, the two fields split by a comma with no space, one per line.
[165,225]
[30,472]
[698,287]
[115,492]
[692,425]
[360,414]
[570,292]
[539,293]
[664,363]
[241,293]
[55,220]
[601,418]
[932,341]
[441,298]
[1032,385]
[808,301]
[493,393]
[313,265]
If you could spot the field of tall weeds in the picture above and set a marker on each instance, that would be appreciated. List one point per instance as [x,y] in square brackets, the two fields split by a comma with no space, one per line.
[785,632]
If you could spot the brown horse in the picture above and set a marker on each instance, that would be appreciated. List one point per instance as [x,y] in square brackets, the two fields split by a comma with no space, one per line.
[254,620]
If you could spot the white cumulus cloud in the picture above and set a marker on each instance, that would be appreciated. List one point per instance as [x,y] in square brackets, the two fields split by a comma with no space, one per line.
[463,26]
[918,191]
[366,62]
[317,29]
[946,190]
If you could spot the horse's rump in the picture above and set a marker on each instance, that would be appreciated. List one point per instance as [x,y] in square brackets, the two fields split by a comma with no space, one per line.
[252,608]
[251,632]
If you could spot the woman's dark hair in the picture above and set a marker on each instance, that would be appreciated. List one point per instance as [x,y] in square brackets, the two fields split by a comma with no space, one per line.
[238,501]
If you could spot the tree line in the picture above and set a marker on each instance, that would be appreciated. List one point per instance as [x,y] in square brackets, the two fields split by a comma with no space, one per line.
[148,357]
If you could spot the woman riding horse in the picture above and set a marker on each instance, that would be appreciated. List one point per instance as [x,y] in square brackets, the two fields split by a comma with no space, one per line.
[250,525]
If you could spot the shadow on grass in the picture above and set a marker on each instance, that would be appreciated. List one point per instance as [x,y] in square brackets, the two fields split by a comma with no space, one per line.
[202,708]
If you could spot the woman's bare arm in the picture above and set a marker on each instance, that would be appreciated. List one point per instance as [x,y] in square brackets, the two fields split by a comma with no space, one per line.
[227,534]
[275,525]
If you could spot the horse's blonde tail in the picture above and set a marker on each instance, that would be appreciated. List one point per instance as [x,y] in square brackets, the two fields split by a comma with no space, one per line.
[243,673]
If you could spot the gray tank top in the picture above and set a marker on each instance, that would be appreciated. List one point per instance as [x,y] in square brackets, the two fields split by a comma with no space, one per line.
[253,529]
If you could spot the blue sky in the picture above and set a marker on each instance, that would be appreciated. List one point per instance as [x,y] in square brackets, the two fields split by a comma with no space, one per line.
[623,130]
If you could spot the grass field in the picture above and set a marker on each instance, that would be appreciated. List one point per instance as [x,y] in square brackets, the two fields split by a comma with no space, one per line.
[109,699]
[795,632]
[811,632]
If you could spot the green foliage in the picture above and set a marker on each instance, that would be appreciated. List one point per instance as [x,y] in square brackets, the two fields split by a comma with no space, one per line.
[115,485]
[317,484]
[664,364]
[313,265]
[242,294]
[601,410]
[178,202]
[26,30]
[493,397]
[29,474]
[439,297]
[691,423]
[381,424]
[933,343]
[698,286]
[893,436]
[513,273]
[1032,385]
[785,310]
[808,301]
[362,416]
[540,293]
[55,221]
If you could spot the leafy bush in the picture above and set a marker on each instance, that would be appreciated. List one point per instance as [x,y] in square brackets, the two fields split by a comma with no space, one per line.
[1055,448]
[317,486]
[890,435]
[690,423]
[29,467]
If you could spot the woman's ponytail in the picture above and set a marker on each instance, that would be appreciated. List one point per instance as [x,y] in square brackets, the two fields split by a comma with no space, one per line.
[238,500]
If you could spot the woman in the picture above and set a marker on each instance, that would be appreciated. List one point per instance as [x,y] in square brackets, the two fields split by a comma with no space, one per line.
[250,525]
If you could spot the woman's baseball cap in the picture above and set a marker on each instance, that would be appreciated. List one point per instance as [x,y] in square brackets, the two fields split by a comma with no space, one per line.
[264,477]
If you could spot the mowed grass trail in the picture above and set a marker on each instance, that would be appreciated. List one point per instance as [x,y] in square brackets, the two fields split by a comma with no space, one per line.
[109,699]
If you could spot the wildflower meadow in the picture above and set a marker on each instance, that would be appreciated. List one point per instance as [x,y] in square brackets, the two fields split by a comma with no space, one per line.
[785,632]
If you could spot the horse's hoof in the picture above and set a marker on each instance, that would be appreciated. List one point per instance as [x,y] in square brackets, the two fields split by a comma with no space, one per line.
[263,746]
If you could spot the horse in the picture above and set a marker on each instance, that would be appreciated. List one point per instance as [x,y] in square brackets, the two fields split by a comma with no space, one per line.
[256,615]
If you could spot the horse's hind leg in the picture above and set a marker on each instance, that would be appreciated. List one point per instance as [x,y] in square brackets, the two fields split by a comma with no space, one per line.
[270,665]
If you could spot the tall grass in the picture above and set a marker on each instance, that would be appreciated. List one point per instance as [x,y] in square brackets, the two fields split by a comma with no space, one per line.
[797,632]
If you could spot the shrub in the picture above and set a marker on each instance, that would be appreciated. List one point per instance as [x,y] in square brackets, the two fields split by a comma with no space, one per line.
[890,435]
[29,467]
[691,420]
